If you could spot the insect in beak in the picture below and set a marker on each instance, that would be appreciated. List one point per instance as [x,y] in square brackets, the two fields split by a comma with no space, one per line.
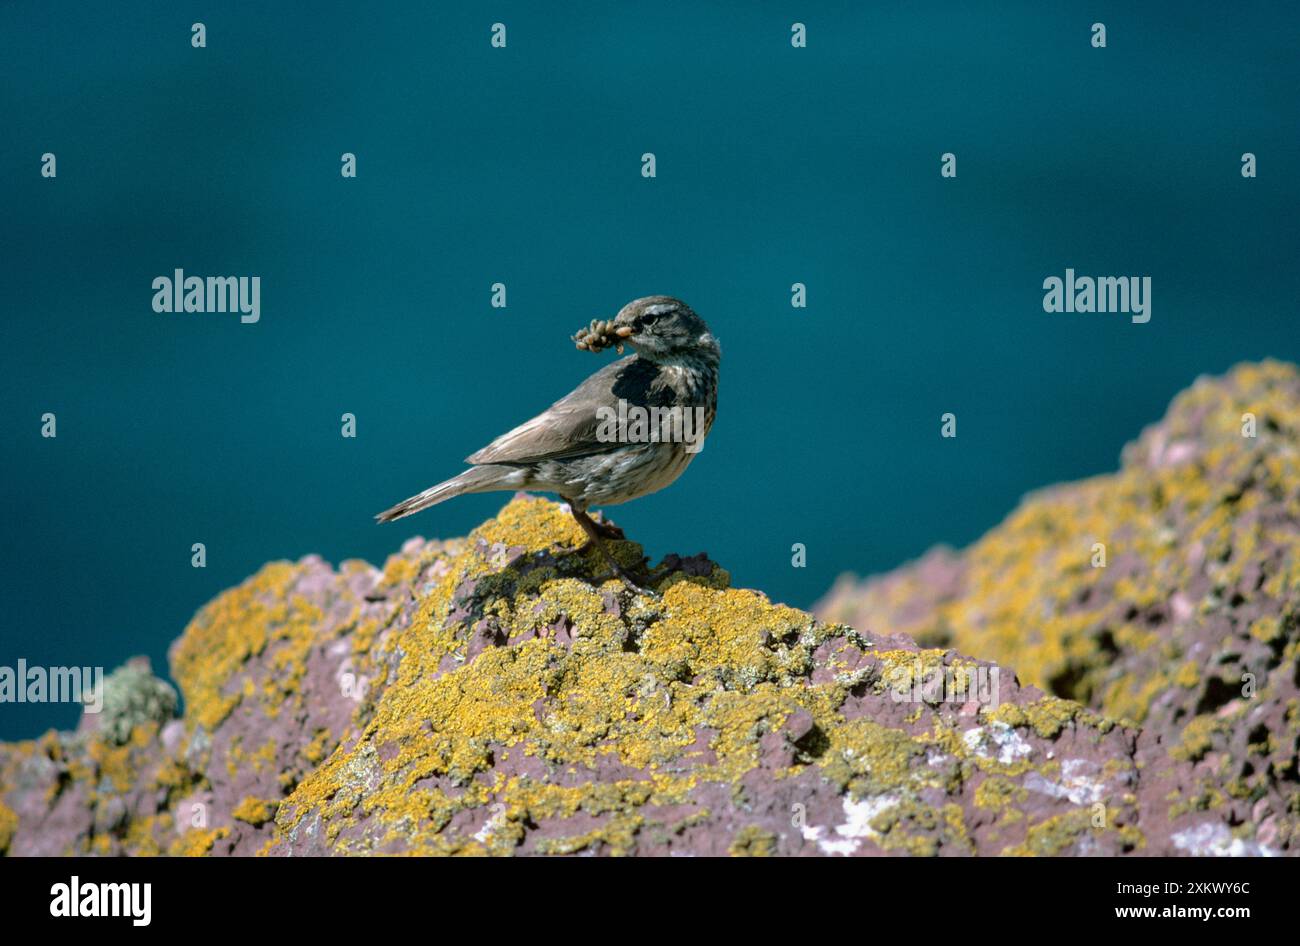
[601,334]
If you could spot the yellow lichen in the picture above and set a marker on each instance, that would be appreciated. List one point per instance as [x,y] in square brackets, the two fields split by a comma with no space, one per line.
[197,842]
[254,811]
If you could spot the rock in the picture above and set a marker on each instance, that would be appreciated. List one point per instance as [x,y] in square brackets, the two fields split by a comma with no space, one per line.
[495,695]
[1191,631]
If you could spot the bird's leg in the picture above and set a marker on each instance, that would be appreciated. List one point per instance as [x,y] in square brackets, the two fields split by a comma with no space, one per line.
[577,549]
[593,530]
[607,530]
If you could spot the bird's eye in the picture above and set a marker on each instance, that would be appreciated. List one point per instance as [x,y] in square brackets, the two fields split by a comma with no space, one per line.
[650,318]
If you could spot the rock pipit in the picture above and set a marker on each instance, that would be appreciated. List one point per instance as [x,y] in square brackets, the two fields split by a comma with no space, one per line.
[628,430]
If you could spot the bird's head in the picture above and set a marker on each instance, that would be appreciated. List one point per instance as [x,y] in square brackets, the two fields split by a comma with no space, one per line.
[658,327]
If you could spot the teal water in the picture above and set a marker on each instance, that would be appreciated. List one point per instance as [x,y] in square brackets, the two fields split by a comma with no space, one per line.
[522,165]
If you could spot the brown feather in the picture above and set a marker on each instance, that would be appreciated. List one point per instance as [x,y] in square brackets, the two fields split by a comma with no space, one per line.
[568,427]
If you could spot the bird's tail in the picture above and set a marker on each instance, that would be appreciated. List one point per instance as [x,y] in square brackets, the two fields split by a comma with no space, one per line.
[478,479]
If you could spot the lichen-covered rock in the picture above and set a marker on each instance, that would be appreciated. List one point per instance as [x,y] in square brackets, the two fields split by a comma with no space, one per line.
[1167,594]
[495,695]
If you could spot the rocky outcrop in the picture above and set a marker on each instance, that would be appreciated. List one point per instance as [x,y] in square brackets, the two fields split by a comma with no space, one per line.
[495,695]
[1166,595]
[498,694]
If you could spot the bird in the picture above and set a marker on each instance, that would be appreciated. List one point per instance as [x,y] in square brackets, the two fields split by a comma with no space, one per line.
[579,451]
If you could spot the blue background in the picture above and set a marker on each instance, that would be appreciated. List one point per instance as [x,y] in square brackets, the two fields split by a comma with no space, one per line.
[522,165]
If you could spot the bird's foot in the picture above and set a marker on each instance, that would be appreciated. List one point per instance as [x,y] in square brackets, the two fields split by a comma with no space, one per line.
[596,533]
[618,571]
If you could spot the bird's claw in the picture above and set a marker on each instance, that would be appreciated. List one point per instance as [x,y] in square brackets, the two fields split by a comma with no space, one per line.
[618,572]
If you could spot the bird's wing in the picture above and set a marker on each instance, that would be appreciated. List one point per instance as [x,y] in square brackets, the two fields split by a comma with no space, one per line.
[568,427]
